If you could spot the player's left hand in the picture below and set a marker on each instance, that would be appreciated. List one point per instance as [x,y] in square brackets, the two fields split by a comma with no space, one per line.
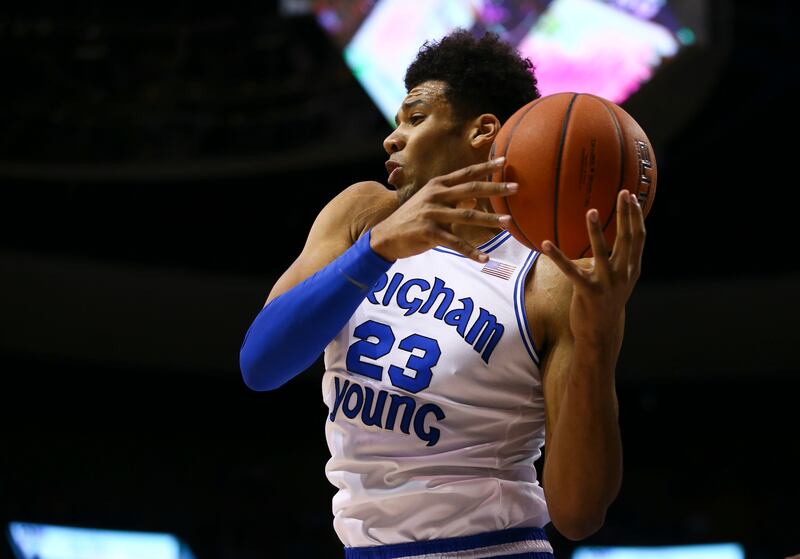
[603,284]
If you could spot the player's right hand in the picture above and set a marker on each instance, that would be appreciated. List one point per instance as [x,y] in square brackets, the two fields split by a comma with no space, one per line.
[423,221]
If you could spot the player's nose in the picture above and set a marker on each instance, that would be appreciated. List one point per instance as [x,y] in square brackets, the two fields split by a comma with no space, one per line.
[393,143]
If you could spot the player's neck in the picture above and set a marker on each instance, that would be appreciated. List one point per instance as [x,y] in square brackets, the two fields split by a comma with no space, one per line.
[475,236]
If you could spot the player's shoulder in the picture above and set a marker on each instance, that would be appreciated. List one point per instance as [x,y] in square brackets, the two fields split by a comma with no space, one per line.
[546,281]
[364,204]
[548,295]
[367,192]
[562,283]
[354,199]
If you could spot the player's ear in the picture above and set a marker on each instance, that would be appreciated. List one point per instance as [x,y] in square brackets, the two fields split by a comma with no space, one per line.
[484,130]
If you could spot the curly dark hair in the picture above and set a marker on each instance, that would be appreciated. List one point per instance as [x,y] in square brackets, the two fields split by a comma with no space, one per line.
[483,75]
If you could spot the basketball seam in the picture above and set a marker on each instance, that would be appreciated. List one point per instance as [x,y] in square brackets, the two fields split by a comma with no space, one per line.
[621,171]
[558,166]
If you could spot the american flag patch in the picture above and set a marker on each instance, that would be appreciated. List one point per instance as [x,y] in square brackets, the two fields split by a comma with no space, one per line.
[498,269]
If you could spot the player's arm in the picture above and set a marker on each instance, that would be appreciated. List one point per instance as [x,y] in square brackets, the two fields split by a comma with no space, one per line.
[318,293]
[583,464]
[583,449]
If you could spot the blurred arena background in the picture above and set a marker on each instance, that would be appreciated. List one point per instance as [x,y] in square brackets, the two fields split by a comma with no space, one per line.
[159,169]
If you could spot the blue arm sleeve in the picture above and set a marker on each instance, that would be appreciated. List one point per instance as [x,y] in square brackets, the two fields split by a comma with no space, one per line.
[289,333]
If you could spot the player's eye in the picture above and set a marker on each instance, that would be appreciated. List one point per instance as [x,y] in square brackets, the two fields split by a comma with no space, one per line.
[416,118]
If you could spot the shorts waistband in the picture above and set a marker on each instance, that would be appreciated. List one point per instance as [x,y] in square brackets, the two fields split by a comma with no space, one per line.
[514,543]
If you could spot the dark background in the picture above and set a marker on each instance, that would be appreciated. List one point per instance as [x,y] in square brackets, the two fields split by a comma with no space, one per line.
[160,170]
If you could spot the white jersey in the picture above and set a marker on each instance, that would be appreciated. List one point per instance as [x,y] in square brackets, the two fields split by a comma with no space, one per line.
[436,413]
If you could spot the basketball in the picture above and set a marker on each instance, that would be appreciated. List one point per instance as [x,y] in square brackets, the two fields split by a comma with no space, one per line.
[571,152]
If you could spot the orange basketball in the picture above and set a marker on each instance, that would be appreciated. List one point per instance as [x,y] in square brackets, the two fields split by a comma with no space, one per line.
[571,152]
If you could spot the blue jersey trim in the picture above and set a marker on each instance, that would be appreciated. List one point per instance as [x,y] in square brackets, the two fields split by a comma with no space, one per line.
[487,247]
[532,555]
[449,545]
[519,308]
[495,242]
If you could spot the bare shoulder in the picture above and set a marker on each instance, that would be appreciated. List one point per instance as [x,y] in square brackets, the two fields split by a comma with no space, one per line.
[358,196]
[347,213]
[548,294]
[366,191]
[364,204]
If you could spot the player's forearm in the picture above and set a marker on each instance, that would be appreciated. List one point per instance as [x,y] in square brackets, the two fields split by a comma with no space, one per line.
[583,470]
[290,333]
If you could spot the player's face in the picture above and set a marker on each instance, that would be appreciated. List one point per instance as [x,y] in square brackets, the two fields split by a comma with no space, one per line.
[427,142]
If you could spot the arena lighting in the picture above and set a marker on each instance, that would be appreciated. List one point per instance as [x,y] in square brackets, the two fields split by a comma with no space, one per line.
[699,551]
[606,47]
[45,541]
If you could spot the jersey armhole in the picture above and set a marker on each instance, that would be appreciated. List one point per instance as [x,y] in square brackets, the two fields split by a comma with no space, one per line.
[519,307]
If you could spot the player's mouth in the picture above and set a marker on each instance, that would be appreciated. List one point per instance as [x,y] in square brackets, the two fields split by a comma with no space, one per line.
[394,169]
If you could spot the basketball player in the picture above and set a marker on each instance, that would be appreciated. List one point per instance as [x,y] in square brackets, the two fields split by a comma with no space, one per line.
[452,351]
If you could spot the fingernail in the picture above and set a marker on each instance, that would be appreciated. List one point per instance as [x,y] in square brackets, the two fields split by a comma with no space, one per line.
[547,246]
[512,186]
[499,160]
[636,200]
[593,216]
[505,219]
[483,257]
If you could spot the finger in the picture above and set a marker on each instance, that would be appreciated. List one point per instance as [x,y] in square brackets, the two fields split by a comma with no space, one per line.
[620,256]
[479,170]
[639,235]
[447,239]
[564,264]
[476,189]
[469,216]
[598,242]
